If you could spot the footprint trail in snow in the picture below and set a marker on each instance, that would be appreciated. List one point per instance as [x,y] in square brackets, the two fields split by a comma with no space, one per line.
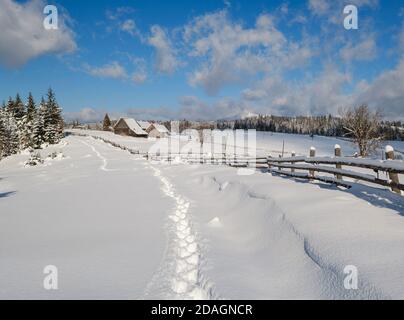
[185,278]
[104,160]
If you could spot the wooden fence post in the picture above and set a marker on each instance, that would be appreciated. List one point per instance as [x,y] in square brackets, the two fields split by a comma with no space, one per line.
[337,153]
[312,155]
[393,176]
[293,155]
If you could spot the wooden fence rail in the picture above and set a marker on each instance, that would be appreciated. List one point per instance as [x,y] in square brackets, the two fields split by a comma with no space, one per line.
[310,165]
[322,164]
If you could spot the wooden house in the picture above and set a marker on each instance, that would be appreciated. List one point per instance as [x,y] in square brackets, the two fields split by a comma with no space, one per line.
[157,131]
[129,127]
[144,125]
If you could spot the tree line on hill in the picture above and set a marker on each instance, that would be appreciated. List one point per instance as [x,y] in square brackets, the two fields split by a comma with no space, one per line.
[26,125]
[361,125]
[310,125]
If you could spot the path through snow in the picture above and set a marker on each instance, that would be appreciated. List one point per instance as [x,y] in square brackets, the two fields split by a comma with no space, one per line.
[99,155]
[181,267]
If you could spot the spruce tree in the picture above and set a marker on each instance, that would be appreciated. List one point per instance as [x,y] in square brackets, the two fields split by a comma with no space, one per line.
[39,126]
[18,113]
[2,130]
[9,107]
[10,139]
[53,121]
[18,108]
[28,124]
[106,126]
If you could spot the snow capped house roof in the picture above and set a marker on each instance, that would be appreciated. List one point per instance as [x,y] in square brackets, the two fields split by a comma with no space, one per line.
[133,125]
[160,128]
[144,124]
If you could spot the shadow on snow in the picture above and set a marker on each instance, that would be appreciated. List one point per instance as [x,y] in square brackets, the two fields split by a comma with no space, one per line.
[377,197]
[6,194]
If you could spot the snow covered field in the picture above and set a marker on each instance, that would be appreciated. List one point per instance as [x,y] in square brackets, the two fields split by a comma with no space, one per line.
[267,143]
[121,227]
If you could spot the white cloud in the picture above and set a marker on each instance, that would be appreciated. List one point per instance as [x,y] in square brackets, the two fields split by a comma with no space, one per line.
[129,26]
[118,13]
[320,94]
[23,36]
[362,3]
[229,53]
[249,94]
[364,50]
[166,61]
[319,7]
[139,77]
[327,7]
[386,92]
[192,107]
[326,93]
[160,113]
[299,18]
[113,70]
[85,115]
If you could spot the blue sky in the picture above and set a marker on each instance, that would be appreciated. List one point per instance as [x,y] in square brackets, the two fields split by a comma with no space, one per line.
[205,59]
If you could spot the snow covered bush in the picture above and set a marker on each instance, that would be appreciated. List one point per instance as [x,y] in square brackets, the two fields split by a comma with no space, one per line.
[34,160]
[55,155]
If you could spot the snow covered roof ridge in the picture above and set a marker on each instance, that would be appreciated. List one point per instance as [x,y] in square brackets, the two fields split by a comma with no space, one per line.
[133,125]
[144,124]
[160,127]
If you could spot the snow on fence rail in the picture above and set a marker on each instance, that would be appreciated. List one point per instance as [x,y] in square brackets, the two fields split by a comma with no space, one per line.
[319,164]
[312,164]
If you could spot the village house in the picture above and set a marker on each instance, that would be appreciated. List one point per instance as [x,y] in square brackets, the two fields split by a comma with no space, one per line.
[129,127]
[157,131]
[144,125]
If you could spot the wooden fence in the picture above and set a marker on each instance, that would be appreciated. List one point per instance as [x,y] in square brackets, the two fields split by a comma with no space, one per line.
[334,165]
[307,167]
[296,166]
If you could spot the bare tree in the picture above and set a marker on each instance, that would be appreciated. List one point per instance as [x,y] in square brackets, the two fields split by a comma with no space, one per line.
[362,125]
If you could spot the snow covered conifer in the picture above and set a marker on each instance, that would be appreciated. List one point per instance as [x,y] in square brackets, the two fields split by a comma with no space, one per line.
[18,108]
[18,113]
[27,127]
[106,125]
[53,121]
[2,130]
[39,126]
[9,107]
[9,133]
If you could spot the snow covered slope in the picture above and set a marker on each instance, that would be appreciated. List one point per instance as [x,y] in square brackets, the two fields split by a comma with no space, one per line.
[97,215]
[272,238]
[118,226]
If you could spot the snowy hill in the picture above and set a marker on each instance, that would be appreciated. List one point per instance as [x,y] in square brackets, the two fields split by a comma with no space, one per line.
[118,226]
